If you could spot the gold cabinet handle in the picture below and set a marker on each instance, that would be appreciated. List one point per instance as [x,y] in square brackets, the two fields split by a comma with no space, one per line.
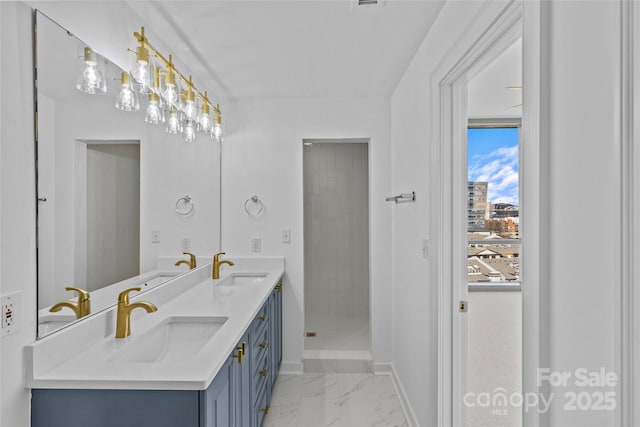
[264,372]
[243,349]
[279,287]
[265,409]
[239,355]
[263,318]
[264,344]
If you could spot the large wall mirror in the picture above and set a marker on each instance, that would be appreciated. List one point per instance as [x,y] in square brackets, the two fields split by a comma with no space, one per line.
[108,186]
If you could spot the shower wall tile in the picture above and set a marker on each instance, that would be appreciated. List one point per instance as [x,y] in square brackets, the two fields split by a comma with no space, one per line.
[336,229]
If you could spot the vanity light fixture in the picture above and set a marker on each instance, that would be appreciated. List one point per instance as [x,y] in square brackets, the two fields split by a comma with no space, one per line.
[204,118]
[154,113]
[141,71]
[187,110]
[91,73]
[189,131]
[127,99]
[173,122]
[216,131]
[170,91]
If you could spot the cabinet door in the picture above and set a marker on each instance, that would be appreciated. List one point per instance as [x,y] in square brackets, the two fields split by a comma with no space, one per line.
[216,402]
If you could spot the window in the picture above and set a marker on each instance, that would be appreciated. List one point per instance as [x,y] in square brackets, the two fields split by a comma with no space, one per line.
[493,204]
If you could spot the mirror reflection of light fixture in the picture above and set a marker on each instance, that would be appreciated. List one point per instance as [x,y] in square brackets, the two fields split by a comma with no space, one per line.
[216,130]
[174,125]
[154,114]
[127,98]
[204,118]
[189,132]
[91,73]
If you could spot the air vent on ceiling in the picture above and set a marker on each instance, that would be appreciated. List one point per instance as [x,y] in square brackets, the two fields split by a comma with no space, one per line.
[367,3]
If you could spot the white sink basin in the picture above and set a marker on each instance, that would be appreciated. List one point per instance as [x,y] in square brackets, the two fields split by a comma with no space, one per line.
[238,279]
[50,323]
[176,338]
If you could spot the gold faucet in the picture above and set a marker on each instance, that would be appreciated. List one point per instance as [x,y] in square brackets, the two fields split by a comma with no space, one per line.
[81,308]
[217,263]
[191,263]
[123,321]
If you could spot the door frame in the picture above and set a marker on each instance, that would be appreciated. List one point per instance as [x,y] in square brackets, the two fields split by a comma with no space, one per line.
[493,29]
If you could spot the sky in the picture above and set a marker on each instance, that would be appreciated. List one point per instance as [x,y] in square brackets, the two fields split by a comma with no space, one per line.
[493,157]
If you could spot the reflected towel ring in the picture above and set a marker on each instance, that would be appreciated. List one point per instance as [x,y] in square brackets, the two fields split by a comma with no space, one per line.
[184,205]
[256,202]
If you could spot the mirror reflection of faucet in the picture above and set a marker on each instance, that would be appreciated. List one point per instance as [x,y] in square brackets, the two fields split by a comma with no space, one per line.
[123,320]
[81,307]
[217,263]
[191,262]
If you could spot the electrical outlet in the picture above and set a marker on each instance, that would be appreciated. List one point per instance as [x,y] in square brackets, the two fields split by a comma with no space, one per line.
[425,248]
[10,305]
[256,244]
[186,244]
[155,236]
[286,236]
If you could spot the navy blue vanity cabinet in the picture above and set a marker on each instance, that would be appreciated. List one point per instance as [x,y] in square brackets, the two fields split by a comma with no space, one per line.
[239,395]
[276,327]
[226,401]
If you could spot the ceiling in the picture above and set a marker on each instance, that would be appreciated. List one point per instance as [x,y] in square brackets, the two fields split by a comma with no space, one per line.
[489,93]
[300,48]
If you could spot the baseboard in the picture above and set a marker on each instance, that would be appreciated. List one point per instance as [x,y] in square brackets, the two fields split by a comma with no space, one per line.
[388,369]
[291,368]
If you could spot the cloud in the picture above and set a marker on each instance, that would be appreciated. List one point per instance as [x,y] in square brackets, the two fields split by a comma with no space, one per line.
[500,169]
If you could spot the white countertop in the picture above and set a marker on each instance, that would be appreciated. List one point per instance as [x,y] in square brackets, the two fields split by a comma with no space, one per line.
[78,356]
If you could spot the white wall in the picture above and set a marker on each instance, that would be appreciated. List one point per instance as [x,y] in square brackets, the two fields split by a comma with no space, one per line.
[583,166]
[584,111]
[263,156]
[415,308]
[17,198]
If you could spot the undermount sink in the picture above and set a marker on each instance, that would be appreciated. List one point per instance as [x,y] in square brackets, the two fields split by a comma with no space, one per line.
[237,279]
[176,338]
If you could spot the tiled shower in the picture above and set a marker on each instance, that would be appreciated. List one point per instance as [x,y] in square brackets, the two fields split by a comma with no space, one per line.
[336,236]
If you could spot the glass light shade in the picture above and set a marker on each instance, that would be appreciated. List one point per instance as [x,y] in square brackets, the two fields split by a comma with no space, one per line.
[142,71]
[127,98]
[189,132]
[216,132]
[154,114]
[204,121]
[91,73]
[174,124]
[190,109]
[170,90]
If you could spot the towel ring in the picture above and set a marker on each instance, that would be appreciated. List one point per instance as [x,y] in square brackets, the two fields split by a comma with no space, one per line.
[255,201]
[184,205]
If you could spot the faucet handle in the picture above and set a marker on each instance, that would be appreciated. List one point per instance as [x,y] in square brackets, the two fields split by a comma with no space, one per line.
[82,294]
[123,297]
[216,257]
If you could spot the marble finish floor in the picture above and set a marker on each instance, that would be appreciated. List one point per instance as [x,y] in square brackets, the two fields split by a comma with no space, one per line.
[335,400]
[337,333]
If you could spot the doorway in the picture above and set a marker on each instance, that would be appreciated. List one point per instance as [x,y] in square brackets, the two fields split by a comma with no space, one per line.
[336,255]
[112,197]
[448,224]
